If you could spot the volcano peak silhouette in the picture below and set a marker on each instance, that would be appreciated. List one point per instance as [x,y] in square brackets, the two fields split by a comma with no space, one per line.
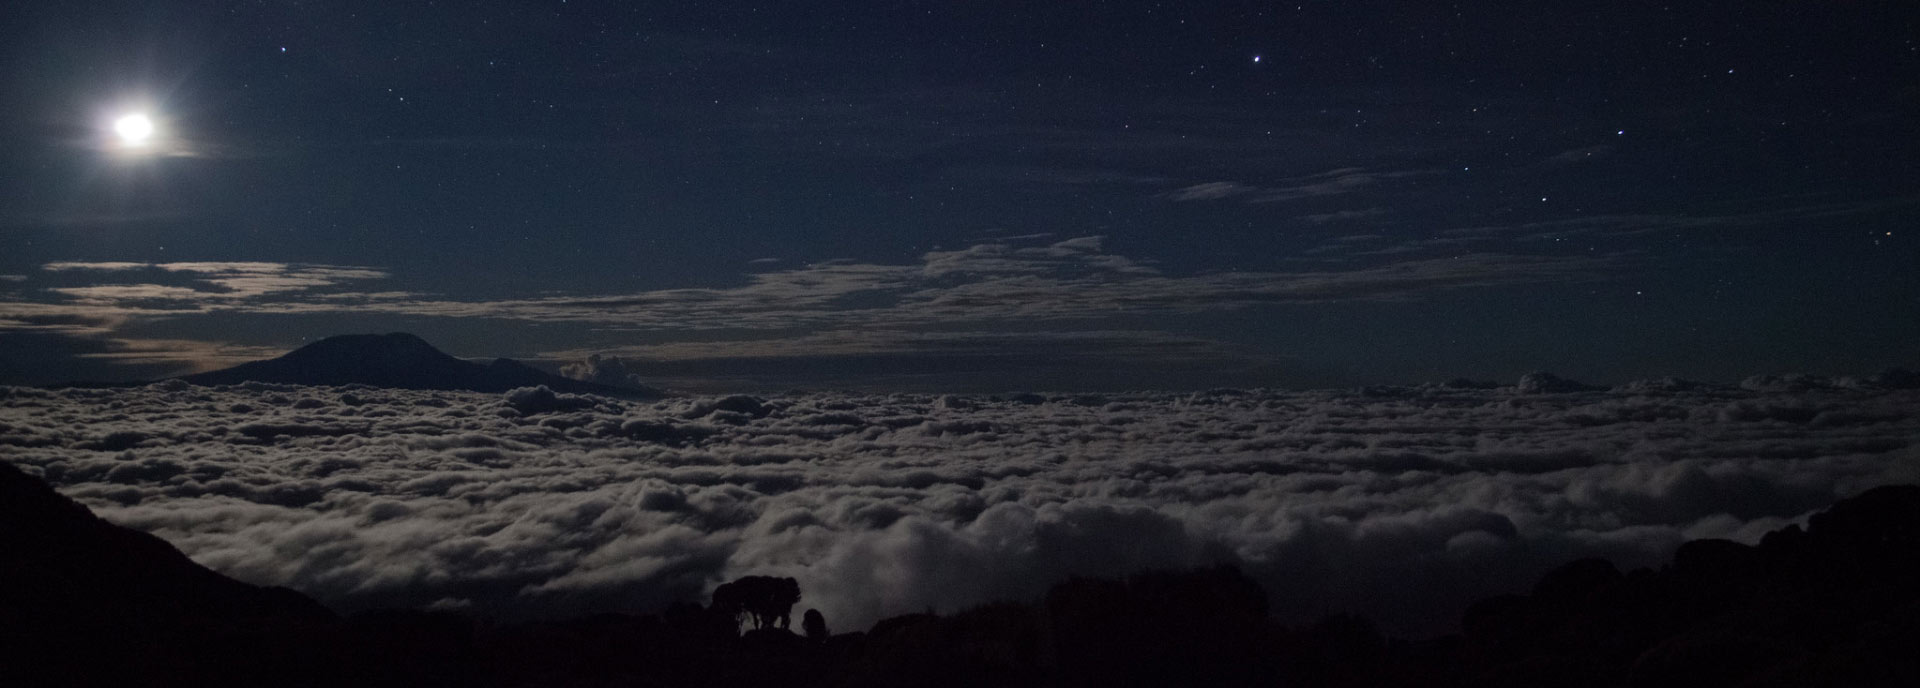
[398,360]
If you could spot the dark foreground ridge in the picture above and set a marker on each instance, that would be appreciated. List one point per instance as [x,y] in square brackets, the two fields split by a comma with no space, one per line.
[84,602]
[398,360]
[81,597]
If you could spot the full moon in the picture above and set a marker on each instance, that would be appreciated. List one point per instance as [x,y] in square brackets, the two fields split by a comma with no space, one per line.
[134,129]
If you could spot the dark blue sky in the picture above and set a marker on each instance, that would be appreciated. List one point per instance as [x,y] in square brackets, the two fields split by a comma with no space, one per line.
[969,195]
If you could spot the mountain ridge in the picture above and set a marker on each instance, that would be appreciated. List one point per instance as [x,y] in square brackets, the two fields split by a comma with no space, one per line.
[399,360]
[87,601]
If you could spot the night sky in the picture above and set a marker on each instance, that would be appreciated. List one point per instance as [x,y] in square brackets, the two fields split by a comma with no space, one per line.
[968,196]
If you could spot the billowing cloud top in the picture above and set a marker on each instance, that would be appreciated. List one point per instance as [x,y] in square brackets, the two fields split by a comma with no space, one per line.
[1401,503]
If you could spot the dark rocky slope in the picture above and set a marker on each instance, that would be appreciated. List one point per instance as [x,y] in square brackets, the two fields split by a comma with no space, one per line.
[80,597]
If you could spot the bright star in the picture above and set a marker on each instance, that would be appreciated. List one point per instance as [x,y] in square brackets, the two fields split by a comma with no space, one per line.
[1256,58]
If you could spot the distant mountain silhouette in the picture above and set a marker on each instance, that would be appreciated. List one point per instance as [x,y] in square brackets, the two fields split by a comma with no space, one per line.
[398,360]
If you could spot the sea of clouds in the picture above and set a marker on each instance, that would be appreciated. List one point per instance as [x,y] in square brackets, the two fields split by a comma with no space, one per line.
[1403,504]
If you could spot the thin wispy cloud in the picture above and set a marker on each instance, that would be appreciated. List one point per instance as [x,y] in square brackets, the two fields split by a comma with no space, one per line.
[1071,279]
[1613,230]
[64,266]
[188,355]
[1334,182]
[1077,284]
[1344,216]
[86,218]
[1633,225]
[1211,191]
[230,280]
[922,360]
[1102,344]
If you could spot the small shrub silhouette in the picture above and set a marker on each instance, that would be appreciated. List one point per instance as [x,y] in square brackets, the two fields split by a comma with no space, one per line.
[815,625]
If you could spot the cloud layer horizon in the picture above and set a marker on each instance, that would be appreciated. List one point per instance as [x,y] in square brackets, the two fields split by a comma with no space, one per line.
[1403,504]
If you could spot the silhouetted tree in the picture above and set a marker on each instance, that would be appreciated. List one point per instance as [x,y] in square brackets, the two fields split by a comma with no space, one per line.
[766,599]
[814,624]
[729,602]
